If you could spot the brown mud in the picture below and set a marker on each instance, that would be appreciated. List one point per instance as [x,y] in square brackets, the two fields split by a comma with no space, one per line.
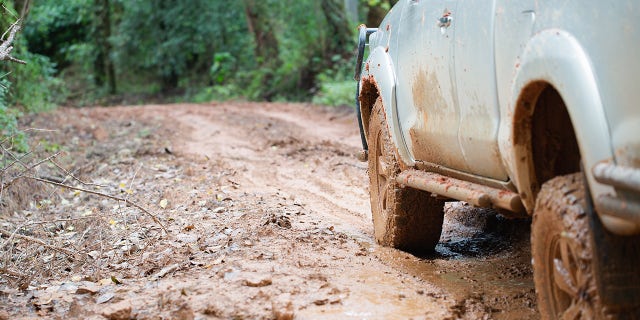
[267,213]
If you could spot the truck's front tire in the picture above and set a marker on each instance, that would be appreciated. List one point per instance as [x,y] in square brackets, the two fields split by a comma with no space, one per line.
[403,218]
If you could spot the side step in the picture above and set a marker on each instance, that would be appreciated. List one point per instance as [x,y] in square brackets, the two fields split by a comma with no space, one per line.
[473,193]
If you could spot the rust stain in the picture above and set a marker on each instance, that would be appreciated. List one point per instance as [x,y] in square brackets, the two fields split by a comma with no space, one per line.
[432,111]
[447,187]
[419,90]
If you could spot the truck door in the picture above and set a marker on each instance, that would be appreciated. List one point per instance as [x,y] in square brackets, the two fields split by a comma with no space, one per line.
[475,79]
[427,106]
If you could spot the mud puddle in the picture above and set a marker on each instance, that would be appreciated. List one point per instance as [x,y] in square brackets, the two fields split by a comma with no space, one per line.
[483,261]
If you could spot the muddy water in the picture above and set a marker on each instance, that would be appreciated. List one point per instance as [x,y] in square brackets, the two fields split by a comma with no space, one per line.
[481,269]
[482,261]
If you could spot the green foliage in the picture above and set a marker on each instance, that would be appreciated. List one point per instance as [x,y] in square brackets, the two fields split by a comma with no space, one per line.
[9,133]
[174,38]
[217,93]
[35,87]
[54,27]
[336,93]
[61,30]
[222,67]
[24,88]
[305,48]
[337,87]
[200,49]
[378,3]
[49,146]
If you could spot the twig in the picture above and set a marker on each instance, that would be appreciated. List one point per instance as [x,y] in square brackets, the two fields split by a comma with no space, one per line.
[6,46]
[25,9]
[133,179]
[12,273]
[129,191]
[38,241]
[44,222]
[53,178]
[68,173]
[7,138]
[126,202]
[27,168]
[15,159]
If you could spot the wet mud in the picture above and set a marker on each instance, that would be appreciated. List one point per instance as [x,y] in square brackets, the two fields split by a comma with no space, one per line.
[268,217]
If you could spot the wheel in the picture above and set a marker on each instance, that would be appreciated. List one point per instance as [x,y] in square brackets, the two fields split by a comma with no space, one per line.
[561,251]
[568,260]
[403,218]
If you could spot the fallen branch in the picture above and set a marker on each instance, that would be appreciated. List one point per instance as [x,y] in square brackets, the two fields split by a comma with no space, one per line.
[13,273]
[24,225]
[126,201]
[69,174]
[38,241]
[27,168]
[7,45]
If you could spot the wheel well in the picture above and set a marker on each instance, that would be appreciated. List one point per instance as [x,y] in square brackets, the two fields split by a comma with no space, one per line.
[368,96]
[544,126]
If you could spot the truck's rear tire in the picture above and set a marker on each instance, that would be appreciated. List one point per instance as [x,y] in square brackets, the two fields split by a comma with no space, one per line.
[569,281]
[403,218]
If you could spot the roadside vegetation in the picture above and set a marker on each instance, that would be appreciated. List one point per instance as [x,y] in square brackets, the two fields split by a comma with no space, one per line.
[107,52]
[116,52]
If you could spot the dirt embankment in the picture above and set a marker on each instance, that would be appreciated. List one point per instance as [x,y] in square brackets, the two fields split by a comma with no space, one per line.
[253,211]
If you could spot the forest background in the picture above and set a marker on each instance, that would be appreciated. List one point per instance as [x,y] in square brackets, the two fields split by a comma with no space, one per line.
[106,52]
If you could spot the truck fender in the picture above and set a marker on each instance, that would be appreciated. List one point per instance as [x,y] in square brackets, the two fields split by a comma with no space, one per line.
[554,57]
[378,79]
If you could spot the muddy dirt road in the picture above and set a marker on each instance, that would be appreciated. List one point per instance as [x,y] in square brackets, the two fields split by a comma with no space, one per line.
[266,211]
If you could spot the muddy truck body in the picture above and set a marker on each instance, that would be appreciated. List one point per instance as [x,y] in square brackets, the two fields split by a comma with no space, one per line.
[529,107]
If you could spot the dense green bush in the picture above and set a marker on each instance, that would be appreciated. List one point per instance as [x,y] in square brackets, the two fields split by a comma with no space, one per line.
[201,49]
[267,49]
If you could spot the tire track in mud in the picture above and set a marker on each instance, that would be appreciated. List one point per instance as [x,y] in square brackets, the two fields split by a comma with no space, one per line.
[268,215]
[288,158]
[308,153]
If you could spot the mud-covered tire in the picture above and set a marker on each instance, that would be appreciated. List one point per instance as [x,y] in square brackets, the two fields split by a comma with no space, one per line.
[565,257]
[403,218]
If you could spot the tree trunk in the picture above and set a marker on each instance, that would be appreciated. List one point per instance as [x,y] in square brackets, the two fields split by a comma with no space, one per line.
[341,36]
[104,70]
[266,44]
[376,13]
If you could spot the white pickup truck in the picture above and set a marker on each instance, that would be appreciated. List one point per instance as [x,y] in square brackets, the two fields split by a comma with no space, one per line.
[531,107]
